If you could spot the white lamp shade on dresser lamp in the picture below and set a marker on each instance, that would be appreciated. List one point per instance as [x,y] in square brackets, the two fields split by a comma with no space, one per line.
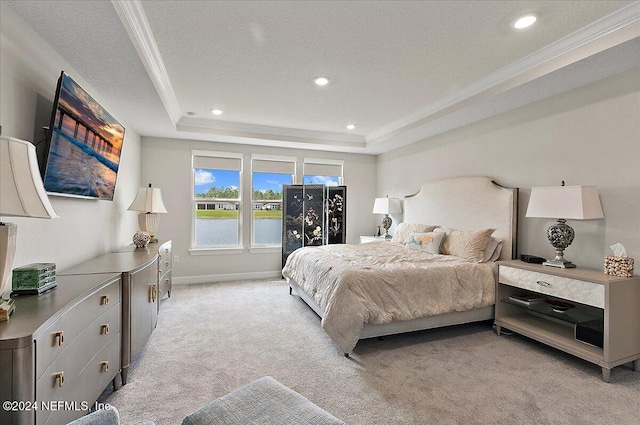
[386,206]
[562,203]
[149,203]
[22,194]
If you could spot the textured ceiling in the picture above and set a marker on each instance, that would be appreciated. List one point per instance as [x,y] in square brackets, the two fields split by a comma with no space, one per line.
[390,63]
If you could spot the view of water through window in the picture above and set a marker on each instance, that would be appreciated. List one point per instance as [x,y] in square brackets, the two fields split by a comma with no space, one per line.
[216,232]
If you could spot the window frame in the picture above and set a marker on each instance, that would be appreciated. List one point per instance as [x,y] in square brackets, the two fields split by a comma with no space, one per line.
[275,158]
[324,162]
[218,249]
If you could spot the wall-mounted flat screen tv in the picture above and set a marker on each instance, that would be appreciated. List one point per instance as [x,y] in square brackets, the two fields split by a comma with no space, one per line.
[81,155]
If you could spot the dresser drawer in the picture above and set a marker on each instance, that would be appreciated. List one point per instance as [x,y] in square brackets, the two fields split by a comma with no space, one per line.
[65,368]
[580,291]
[165,283]
[60,334]
[164,265]
[81,389]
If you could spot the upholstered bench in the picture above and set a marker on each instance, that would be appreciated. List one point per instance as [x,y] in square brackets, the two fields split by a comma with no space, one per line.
[263,401]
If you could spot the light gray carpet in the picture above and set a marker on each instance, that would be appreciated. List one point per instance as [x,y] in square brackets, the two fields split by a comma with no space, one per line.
[214,338]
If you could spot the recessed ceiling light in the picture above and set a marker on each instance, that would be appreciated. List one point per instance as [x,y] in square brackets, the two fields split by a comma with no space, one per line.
[524,21]
[321,81]
[217,111]
[351,126]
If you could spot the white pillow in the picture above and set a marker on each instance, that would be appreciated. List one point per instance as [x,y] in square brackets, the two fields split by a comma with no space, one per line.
[469,244]
[428,241]
[405,230]
[493,250]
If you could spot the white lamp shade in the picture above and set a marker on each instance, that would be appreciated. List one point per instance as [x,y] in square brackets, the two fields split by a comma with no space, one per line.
[386,206]
[567,202]
[22,192]
[148,200]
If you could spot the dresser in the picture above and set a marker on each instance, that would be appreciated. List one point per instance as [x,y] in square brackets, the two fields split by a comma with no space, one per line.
[580,311]
[60,349]
[139,269]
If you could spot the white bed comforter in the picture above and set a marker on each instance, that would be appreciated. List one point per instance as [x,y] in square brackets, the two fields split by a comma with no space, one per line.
[380,282]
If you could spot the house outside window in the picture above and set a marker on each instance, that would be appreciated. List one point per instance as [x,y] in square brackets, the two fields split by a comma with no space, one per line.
[268,174]
[323,171]
[217,199]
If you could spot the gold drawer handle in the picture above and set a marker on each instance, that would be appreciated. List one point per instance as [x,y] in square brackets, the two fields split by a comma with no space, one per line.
[104,300]
[104,366]
[104,329]
[153,293]
[543,283]
[58,376]
[166,251]
[166,263]
[59,335]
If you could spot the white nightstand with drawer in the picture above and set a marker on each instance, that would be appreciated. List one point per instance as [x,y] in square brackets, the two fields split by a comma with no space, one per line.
[586,313]
[367,239]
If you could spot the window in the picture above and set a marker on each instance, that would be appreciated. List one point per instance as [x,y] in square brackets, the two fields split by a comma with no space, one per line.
[268,175]
[217,199]
[323,171]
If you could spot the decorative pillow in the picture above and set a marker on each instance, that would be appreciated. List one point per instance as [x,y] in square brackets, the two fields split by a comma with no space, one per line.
[493,250]
[429,241]
[404,230]
[469,244]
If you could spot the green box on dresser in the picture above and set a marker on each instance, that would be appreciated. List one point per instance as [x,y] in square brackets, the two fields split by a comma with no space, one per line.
[33,276]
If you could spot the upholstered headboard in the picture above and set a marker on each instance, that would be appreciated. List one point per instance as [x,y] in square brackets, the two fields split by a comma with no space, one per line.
[468,203]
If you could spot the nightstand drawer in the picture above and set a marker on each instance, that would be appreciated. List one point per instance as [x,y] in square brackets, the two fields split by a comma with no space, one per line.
[580,291]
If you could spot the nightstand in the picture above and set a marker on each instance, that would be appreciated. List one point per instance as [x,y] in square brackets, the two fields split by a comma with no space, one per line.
[583,312]
[367,239]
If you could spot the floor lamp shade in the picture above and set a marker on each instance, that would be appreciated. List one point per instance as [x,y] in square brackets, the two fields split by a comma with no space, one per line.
[22,194]
[562,203]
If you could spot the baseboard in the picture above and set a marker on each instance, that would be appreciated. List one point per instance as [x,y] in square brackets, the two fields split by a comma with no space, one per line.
[226,277]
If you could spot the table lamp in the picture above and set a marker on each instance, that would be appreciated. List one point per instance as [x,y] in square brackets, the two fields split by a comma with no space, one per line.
[22,194]
[568,202]
[386,206]
[149,203]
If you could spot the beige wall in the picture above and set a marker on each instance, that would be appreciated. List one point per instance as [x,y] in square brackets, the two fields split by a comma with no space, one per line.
[29,71]
[166,163]
[587,136]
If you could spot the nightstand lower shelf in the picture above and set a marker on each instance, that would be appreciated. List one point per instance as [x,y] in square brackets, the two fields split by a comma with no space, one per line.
[553,334]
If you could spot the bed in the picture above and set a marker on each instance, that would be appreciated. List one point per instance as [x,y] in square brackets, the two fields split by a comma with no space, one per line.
[389,287]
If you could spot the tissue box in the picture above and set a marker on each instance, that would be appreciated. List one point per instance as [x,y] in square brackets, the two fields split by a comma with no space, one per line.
[618,266]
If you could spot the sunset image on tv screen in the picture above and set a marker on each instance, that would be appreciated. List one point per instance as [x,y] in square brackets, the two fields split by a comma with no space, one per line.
[85,148]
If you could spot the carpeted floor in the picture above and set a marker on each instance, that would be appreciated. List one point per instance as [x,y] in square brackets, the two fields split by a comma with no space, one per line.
[214,338]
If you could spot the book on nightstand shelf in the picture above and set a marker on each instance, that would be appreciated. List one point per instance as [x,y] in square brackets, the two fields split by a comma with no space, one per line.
[527,299]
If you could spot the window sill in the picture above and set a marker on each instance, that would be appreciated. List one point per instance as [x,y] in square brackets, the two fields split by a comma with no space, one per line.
[216,251]
[265,249]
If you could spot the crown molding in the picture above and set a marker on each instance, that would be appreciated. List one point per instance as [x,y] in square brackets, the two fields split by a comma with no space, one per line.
[616,28]
[272,133]
[135,22]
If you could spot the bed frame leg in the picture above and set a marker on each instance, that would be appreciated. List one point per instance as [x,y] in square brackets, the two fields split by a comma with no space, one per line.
[346,355]
[290,290]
